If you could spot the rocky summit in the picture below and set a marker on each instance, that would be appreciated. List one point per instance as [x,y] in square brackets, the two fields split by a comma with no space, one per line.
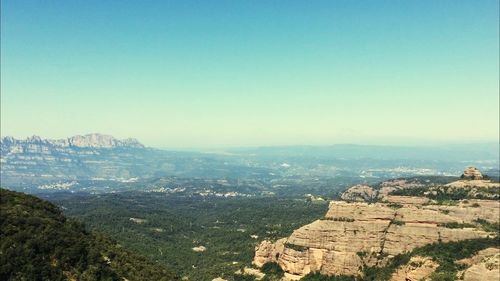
[472,173]
[356,235]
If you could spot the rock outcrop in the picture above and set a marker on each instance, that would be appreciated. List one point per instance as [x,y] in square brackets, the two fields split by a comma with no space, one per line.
[267,251]
[366,193]
[472,173]
[353,235]
[472,182]
[485,265]
[359,193]
[417,269]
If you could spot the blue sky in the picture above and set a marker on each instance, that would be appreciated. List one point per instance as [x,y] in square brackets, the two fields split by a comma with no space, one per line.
[245,73]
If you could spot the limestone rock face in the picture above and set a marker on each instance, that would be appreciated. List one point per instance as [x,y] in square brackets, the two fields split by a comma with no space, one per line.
[360,193]
[488,252]
[267,251]
[417,269]
[365,193]
[485,266]
[472,173]
[352,235]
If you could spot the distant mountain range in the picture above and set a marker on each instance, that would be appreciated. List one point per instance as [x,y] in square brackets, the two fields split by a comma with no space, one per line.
[94,155]
[36,161]
[10,144]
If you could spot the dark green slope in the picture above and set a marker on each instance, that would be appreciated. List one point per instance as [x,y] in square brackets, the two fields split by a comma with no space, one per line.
[38,243]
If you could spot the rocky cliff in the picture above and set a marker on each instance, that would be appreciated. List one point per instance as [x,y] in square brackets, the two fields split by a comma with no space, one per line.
[355,235]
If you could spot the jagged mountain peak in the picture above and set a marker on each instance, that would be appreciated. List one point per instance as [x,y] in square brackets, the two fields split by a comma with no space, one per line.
[102,141]
[94,140]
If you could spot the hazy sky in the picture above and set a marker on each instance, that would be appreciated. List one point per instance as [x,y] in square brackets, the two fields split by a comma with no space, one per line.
[242,73]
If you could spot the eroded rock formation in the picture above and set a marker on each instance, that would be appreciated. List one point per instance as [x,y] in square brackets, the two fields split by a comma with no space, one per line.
[359,193]
[419,268]
[366,193]
[472,173]
[485,265]
[357,234]
[353,235]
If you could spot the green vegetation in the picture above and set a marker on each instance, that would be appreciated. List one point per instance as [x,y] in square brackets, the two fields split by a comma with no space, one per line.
[228,228]
[384,273]
[488,226]
[457,225]
[415,191]
[38,243]
[243,277]
[444,194]
[295,247]
[397,222]
[361,254]
[320,277]
[273,271]
[394,205]
[340,219]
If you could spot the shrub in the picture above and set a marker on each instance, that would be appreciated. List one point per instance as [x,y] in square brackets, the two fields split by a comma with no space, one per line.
[394,205]
[319,277]
[488,226]
[295,247]
[397,222]
[456,225]
[272,268]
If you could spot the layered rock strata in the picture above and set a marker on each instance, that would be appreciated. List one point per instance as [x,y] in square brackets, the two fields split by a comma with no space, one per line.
[472,173]
[354,235]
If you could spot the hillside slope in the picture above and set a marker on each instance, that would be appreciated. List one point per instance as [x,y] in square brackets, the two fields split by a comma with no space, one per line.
[38,243]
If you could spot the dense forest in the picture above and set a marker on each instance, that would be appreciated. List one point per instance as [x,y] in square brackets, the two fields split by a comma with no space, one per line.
[167,228]
[37,242]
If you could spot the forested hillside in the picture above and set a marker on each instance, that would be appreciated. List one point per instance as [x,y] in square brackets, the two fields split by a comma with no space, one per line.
[38,243]
[200,238]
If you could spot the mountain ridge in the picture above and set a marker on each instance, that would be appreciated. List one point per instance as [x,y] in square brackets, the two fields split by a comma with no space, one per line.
[93,140]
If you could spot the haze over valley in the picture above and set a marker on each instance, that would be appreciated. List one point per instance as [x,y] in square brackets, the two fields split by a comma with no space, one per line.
[98,163]
[218,140]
